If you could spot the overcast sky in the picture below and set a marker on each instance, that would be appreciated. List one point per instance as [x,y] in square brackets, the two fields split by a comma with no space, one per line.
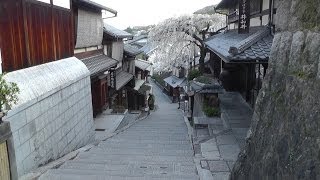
[146,12]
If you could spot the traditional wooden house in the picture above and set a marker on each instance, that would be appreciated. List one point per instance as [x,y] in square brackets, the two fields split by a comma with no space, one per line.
[137,96]
[30,33]
[114,47]
[174,84]
[240,54]
[90,50]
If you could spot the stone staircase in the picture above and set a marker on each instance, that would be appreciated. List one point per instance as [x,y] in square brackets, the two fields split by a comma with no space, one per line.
[155,148]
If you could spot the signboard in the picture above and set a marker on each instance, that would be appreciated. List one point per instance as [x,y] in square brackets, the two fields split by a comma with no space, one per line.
[244,16]
[113,78]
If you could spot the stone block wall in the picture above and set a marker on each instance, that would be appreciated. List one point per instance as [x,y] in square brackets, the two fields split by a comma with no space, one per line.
[284,138]
[54,114]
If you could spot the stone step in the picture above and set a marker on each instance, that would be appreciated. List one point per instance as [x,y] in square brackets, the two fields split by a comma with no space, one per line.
[145,141]
[155,158]
[132,168]
[126,162]
[133,145]
[150,137]
[133,152]
[68,174]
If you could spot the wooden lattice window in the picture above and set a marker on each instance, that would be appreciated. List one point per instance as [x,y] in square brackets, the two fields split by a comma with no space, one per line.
[255,6]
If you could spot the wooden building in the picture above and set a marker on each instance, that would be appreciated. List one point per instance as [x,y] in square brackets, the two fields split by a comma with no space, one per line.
[240,53]
[31,32]
[90,50]
[114,47]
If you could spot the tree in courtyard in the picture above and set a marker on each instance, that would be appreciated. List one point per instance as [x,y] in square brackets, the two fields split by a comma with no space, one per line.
[180,37]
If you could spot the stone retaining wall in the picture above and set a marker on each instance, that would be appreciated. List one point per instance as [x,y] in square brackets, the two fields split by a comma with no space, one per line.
[54,114]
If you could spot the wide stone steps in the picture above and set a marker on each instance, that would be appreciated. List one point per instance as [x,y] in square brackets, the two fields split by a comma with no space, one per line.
[127,162]
[155,158]
[67,174]
[136,169]
[157,147]
[137,146]
[145,152]
[141,141]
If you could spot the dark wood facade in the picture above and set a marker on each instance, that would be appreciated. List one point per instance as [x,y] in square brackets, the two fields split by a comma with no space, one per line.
[33,33]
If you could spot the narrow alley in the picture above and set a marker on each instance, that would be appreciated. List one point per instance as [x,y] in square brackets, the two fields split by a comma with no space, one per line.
[157,147]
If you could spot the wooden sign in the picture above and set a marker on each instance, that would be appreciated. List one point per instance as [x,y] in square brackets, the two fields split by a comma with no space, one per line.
[244,16]
[113,78]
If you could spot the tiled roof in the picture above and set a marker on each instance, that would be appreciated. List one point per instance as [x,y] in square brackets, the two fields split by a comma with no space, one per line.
[131,50]
[99,63]
[91,4]
[174,81]
[122,78]
[138,84]
[148,48]
[233,47]
[141,64]
[206,88]
[116,33]
[137,38]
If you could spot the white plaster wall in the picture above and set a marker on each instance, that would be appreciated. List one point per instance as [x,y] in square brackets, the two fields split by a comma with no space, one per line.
[117,50]
[54,114]
[255,22]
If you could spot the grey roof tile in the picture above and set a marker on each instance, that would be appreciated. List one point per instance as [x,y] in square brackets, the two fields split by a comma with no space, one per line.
[174,81]
[141,64]
[260,50]
[122,78]
[131,50]
[99,63]
[116,33]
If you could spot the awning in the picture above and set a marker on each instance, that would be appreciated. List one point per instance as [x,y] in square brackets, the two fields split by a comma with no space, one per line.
[98,64]
[138,84]
[174,81]
[141,64]
[122,78]
[232,47]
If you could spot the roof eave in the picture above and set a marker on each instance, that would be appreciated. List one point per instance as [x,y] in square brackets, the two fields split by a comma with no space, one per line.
[96,6]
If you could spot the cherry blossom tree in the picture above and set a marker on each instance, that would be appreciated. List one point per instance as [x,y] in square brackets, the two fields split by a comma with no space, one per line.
[182,36]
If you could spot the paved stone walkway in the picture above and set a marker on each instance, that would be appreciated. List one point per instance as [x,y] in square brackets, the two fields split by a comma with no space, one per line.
[218,146]
[155,148]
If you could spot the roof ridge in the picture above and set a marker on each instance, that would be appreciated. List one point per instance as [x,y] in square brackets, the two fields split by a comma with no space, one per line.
[249,41]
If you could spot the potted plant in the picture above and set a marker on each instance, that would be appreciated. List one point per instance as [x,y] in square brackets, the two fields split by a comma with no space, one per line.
[211,106]
[8,95]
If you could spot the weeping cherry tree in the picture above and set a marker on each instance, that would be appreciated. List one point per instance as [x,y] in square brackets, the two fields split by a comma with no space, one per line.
[177,37]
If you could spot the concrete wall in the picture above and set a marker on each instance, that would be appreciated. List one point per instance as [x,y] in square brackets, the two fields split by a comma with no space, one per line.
[54,114]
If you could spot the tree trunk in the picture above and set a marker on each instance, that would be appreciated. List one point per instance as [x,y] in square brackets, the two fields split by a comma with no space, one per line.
[203,53]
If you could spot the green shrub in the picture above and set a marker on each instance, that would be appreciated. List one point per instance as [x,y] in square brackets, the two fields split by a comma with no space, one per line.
[211,111]
[159,79]
[193,74]
[204,80]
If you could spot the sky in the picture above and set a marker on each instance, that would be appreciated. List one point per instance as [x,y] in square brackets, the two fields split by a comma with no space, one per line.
[147,12]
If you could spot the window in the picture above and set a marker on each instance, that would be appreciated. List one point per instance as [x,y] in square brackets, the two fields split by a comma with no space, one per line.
[255,6]
[62,3]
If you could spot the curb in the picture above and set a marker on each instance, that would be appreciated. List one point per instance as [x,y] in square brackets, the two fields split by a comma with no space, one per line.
[204,174]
